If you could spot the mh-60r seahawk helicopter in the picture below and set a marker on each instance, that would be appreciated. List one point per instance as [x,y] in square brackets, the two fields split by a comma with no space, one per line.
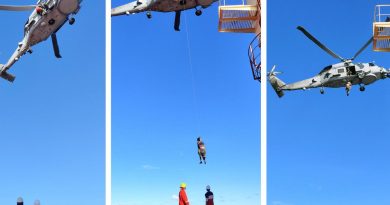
[162,6]
[344,74]
[46,19]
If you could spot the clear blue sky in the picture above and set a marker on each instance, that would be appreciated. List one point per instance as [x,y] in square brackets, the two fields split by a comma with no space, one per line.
[157,118]
[325,149]
[52,121]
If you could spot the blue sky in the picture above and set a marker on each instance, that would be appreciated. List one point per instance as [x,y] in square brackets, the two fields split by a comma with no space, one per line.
[53,118]
[158,111]
[325,149]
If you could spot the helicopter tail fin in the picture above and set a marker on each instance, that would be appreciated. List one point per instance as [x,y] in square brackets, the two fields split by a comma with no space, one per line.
[276,83]
[5,75]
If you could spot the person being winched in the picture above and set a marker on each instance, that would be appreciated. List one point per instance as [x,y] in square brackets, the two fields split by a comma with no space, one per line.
[201,150]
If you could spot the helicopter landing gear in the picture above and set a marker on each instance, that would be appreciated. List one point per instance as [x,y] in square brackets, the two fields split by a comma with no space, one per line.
[322,91]
[198,12]
[72,21]
[29,51]
[149,15]
[362,88]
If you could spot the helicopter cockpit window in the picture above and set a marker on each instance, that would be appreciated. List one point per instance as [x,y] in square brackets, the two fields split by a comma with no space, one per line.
[326,69]
[371,64]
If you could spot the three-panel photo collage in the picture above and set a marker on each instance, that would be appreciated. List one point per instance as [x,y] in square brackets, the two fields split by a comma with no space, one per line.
[194,102]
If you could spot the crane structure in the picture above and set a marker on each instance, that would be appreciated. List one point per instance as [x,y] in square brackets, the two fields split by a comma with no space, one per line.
[244,18]
[381,28]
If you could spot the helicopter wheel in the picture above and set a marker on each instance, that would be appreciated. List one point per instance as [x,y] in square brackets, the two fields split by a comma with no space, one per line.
[52,21]
[198,12]
[72,21]
[322,91]
[362,88]
[149,15]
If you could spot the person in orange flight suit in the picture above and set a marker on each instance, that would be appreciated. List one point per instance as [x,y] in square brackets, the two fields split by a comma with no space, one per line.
[183,200]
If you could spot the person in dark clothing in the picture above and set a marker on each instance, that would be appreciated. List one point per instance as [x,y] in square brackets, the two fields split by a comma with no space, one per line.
[209,196]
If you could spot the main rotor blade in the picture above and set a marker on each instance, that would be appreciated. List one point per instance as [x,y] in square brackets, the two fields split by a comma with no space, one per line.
[322,46]
[177,21]
[55,45]
[364,47]
[17,8]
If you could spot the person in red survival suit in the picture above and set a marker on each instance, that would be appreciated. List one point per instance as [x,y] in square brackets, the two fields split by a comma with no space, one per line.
[183,200]
[209,196]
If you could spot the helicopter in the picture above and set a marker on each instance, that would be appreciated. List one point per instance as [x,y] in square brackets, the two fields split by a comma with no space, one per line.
[343,74]
[45,21]
[162,6]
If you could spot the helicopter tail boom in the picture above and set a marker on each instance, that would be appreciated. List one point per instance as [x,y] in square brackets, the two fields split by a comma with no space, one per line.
[131,8]
[276,84]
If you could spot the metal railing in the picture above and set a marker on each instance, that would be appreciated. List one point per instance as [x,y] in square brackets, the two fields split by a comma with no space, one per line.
[382,13]
[232,2]
[254,54]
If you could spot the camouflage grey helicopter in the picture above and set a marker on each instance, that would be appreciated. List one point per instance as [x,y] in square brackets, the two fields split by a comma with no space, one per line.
[162,6]
[47,18]
[344,74]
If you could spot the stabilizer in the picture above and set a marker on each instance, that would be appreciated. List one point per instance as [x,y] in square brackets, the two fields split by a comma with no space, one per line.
[276,83]
[7,76]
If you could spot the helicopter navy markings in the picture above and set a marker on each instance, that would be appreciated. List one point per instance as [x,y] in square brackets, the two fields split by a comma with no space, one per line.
[344,74]
[40,26]
[162,6]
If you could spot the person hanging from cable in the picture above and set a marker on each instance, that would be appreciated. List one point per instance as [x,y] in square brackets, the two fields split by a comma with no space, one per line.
[201,150]
[348,87]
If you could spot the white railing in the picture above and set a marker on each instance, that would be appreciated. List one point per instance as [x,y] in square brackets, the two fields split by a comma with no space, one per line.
[382,13]
[232,2]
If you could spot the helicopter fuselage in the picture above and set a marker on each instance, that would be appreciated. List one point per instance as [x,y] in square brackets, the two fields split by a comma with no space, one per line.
[338,75]
[40,26]
[160,6]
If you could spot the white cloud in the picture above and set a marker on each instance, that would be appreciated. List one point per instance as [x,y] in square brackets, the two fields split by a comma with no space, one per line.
[149,167]
[280,203]
[175,197]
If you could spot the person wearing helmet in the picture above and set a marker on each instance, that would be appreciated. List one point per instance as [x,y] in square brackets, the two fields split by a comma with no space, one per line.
[348,87]
[201,150]
[183,200]
[209,196]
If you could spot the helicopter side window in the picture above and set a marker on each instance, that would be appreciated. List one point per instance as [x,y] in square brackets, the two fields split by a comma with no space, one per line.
[340,70]
[371,64]
[351,70]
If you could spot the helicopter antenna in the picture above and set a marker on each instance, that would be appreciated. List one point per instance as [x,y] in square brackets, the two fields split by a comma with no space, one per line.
[322,46]
[363,48]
